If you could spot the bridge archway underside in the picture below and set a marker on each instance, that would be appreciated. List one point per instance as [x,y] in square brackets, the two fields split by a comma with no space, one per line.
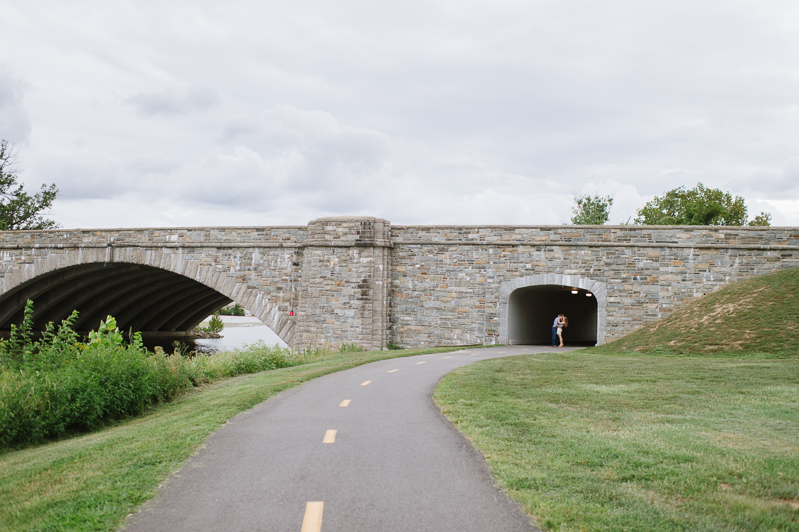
[140,297]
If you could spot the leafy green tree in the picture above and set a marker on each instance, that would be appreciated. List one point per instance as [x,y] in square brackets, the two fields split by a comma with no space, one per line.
[18,209]
[232,310]
[215,325]
[591,210]
[762,219]
[697,206]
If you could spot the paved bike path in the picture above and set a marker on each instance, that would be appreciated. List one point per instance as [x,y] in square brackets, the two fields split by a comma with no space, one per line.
[396,464]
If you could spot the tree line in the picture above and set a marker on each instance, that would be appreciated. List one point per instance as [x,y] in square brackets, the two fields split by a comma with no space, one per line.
[680,206]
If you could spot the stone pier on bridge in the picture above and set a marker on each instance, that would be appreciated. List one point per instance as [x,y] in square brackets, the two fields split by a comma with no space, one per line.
[362,280]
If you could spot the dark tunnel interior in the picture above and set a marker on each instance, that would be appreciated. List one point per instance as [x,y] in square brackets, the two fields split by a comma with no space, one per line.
[532,309]
[141,298]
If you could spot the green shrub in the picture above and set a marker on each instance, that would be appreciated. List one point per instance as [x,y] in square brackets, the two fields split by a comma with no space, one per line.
[351,347]
[58,385]
[216,324]
[249,359]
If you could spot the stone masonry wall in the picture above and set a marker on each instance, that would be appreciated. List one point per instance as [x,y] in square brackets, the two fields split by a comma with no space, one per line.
[253,266]
[344,278]
[445,281]
[361,280]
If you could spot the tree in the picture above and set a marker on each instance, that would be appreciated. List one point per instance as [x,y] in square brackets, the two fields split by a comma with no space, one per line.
[18,209]
[697,206]
[762,219]
[591,210]
[232,310]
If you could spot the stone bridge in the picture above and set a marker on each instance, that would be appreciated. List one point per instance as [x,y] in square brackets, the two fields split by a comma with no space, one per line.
[362,280]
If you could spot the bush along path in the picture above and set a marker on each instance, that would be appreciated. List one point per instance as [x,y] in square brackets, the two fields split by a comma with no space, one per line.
[58,384]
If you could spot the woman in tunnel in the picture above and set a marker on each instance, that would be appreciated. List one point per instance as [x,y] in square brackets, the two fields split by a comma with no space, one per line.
[563,322]
[555,329]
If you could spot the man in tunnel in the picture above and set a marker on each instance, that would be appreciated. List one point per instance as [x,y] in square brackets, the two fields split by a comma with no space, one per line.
[555,325]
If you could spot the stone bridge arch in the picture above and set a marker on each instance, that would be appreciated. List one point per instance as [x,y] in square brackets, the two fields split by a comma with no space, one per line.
[597,289]
[142,287]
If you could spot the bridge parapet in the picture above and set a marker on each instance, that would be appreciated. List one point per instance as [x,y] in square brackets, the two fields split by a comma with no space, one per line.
[285,236]
[604,235]
[348,231]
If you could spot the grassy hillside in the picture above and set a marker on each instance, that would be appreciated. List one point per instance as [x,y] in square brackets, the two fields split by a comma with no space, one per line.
[759,315]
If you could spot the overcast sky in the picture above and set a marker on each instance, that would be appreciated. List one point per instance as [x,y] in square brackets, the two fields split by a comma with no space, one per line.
[437,112]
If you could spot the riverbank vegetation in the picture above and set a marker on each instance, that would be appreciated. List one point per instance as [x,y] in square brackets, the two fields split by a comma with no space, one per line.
[689,424]
[232,310]
[58,384]
[212,330]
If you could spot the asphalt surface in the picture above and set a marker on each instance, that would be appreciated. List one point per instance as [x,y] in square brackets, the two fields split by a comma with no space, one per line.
[396,464]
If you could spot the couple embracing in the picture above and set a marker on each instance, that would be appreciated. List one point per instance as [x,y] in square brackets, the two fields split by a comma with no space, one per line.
[557,329]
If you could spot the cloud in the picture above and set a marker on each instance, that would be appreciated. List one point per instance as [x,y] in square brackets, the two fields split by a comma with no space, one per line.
[774,183]
[306,155]
[15,124]
[170,103]
[428,112]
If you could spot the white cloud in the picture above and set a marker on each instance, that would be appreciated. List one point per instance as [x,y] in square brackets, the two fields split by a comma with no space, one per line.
[421,112]
[170,103]
[15,125]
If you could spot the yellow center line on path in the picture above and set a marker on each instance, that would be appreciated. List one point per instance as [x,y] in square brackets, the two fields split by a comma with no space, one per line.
[330,436]
[473,354]
[345,402]
[364,383]
[447,357]
[422,362]
[392,370]
[312,522]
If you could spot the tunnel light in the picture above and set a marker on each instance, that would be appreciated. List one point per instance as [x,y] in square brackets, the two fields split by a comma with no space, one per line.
[588,294]
[574,291]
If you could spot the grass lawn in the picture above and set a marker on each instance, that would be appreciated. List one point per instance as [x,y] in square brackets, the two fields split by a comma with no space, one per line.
[91,482]
[629,442]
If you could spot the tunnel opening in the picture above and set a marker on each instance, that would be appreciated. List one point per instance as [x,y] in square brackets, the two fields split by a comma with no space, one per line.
[163,306]
[532,310]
